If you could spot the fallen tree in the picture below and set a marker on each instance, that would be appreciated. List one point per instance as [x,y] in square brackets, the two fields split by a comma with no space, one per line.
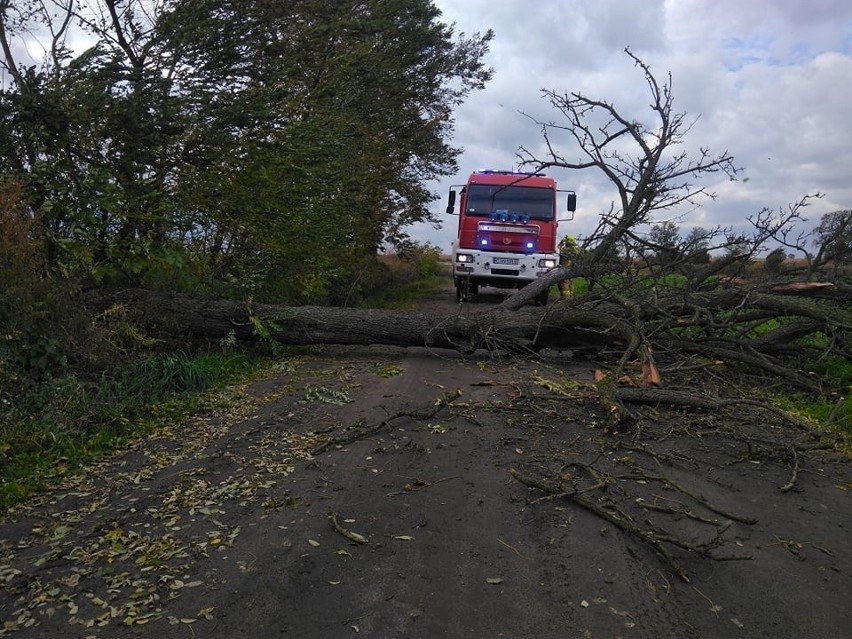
[665,304]
[722,328]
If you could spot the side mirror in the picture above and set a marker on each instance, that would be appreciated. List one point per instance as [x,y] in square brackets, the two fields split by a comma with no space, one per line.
[451,204]
[572,202]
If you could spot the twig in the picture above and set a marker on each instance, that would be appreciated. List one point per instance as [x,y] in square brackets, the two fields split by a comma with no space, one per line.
[789,485]
[442,402]
[716,509]
[533,482]
[683,512]
[349,534]
[834,411]
[581,500]
[657,396]
[512,548]
[412,487]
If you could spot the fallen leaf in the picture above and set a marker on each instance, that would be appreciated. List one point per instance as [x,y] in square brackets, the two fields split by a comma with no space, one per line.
[343,552]
[404,537]
[650,374]
[494,580]
[206,613]
[313,542]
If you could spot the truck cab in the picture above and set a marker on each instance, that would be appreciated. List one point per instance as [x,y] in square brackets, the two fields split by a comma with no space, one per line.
[507,230]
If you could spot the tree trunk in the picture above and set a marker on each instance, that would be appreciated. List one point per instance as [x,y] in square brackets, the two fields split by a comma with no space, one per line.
[528,328]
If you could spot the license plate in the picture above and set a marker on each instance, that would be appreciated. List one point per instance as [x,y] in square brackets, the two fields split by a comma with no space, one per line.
[506,260]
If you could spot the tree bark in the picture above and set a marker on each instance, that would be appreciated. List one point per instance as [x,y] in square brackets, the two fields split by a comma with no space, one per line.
[528,328]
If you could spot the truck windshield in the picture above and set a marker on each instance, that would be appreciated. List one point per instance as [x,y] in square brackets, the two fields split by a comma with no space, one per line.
[484,199]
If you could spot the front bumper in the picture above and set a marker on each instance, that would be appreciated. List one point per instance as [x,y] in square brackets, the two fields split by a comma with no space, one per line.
[504,270]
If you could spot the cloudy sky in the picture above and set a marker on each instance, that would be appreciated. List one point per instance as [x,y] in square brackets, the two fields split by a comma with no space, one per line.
[769,81]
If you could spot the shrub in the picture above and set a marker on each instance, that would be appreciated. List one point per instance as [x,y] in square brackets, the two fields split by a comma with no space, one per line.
[34,309]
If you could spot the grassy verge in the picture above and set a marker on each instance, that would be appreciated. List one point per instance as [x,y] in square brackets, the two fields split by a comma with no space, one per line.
[67,423]
[832,412]
[409,279]
[835,409]
[409,294]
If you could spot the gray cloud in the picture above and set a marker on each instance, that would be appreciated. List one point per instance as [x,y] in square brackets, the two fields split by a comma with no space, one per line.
[767,80]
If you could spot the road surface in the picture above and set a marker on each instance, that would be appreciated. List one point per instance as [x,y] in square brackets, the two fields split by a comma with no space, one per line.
[366,492]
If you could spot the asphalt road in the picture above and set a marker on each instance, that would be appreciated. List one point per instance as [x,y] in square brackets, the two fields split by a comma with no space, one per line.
[366,492]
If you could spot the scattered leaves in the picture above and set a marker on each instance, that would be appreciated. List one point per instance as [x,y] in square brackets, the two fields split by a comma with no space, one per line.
[326,395]
[388,370]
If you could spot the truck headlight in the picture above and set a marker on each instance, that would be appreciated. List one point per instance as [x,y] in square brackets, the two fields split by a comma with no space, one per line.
[464,258]
[547,263]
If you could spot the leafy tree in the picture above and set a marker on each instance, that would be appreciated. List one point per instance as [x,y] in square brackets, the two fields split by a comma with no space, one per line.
[697,245]
[774,261]
[833,238]
[664,239]
[335,122]
[274,145]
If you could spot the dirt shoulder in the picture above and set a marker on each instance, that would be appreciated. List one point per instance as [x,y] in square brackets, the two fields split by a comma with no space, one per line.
[222,527]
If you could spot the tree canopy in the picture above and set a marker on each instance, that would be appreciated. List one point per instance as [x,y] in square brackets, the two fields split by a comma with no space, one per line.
[272,147]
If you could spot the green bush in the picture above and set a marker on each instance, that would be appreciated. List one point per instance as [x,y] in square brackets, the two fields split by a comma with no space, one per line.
[35,310]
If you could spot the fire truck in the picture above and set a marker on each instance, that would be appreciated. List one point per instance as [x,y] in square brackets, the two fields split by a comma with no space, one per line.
[507,230]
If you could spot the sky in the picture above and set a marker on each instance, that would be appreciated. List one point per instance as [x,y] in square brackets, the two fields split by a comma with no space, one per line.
[769,81]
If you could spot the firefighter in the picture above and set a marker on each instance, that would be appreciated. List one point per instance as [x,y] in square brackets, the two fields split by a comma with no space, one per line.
[568,250]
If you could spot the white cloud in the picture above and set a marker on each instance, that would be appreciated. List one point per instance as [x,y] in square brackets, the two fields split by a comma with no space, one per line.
[767,80]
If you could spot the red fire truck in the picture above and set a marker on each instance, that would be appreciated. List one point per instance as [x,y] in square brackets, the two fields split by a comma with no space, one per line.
[507,231]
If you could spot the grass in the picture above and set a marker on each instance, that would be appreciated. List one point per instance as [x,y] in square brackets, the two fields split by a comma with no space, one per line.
[834,412]
[836,408]
[67,423]
[409,294]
